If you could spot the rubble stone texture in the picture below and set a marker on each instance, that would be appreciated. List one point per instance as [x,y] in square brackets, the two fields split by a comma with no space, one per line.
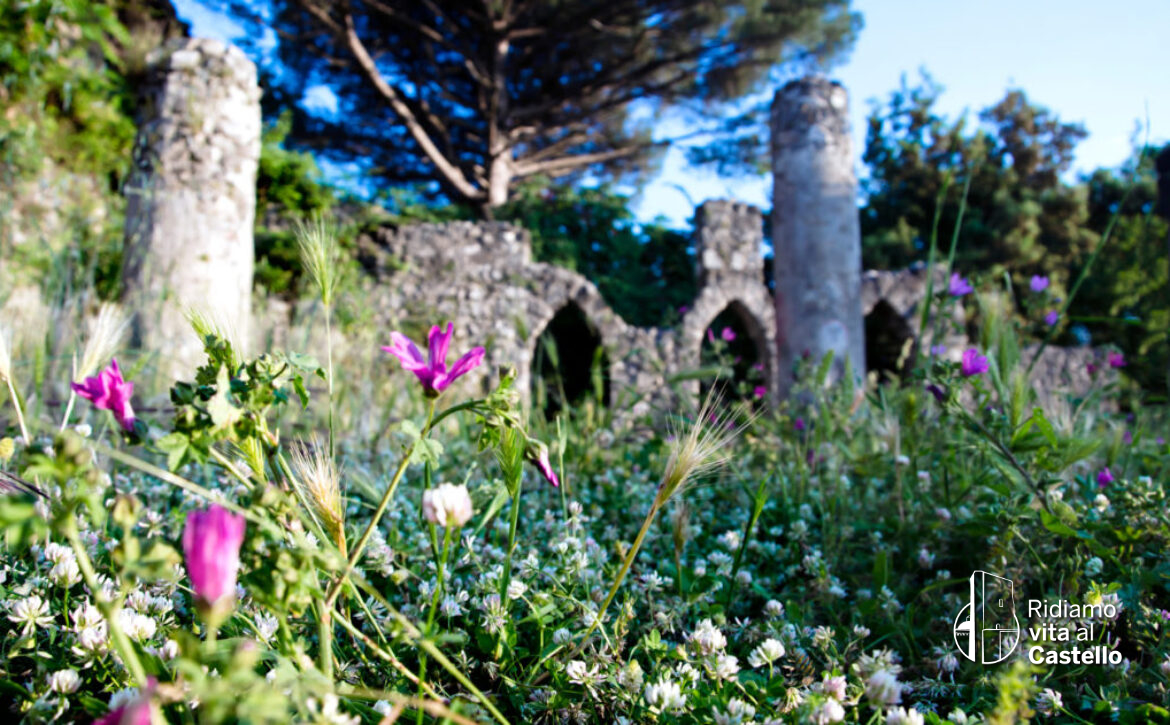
[815,229]
[481,277]
[191,199]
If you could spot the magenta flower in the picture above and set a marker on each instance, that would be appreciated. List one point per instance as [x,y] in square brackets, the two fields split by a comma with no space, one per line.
[1116,360]
[1039,283]
[798,424]
[537,454]
[728,334]
[1104,477]
[138,711]
[1091,368]
[211,548]
[710,335]
[683,310]
[959,286]
[433,372]
[1051,318]
[759,391]
[973,363]
[108,391]
[1127,438]
[936,390]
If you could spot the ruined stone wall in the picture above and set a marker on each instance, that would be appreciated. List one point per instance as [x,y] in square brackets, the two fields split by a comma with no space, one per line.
[191,198]
[481,277]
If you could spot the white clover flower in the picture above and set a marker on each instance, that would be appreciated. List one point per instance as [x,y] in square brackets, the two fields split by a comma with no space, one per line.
[707,639]
[1048,702]
[687,673]
[1165,667]
[57,553]
[773,609]
[83,429]
[700,569]
[766,653]
[902,716]
[452,604]
[834,687]
[30,612]
[737,713]
[729,540]
[266,626]
[138,627]
[1101,502]
[64,681]
[329,711]
[860,631]
[829,711]
[516,589]
[924,476]
[925,558]
[902,460]
[579,673]
[726,667]
[666,696]
[823,637]
[65,574]
[383,708]
[447,504]
[123,697]
[743,578]
[86,615]
[883,688]
[562,635]
[631,676]
[91,641]
[167,652]
[1094,566]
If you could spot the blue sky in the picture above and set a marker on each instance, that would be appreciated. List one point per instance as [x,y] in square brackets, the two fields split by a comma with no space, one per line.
[1102,64]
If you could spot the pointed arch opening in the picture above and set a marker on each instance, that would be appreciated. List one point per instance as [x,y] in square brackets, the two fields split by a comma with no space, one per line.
[570,368]
[887,335]
[733,350]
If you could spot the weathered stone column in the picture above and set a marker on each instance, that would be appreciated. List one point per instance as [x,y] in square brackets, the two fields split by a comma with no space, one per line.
[815,229]
[191,199]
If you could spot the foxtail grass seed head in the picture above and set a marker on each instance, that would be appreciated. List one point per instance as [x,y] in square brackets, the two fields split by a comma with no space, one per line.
[206,323]
[320,484]
[104,336]
[317,243]
[698,448]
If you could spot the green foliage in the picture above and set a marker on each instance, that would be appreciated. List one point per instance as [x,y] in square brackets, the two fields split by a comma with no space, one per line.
[644,271]
[1020,216]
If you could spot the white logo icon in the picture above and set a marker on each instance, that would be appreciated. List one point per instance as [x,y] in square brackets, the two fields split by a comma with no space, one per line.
[987,629]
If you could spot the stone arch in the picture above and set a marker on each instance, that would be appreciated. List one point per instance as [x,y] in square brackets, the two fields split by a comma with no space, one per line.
[886,335]
[570,364]
[752,306]
[556,291]
[741,342]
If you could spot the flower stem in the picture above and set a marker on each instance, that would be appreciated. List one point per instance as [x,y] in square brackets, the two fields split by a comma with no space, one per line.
[757,509]
[360,546]
[442,566]
[325,638]
[19,412]
[109,609]
[621,576]
[329,373]
[68,409]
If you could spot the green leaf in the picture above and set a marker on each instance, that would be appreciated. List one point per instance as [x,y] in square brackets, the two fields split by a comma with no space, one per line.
[175,445]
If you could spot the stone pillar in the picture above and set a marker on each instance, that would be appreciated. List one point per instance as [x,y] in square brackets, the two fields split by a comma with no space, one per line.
[191,199]
[816,232]
[728,243]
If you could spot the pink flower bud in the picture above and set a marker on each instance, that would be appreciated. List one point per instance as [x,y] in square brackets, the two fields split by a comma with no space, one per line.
[211,547]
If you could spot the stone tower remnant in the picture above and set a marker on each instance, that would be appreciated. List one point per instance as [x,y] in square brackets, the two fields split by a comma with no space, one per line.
[191,199]
[815,229]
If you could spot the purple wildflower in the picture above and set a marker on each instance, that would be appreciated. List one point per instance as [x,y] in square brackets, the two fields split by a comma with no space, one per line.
[959,286]
[433,372]
[1039,283]
[973,363]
